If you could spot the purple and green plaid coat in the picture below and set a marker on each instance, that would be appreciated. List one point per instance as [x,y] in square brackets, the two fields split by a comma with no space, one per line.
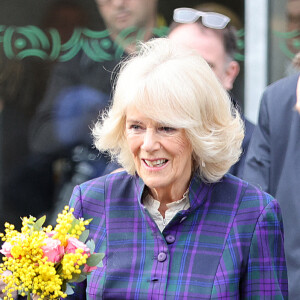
[227,245]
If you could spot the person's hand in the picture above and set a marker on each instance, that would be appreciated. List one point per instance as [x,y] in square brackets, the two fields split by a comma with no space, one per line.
[2,285]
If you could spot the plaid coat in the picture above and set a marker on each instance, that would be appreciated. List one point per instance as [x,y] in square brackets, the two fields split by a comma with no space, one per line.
[227,245]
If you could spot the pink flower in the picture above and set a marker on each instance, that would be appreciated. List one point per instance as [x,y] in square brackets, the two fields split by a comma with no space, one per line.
[51,233]
[6,249]
[74,244]
[88,269]
[53,250]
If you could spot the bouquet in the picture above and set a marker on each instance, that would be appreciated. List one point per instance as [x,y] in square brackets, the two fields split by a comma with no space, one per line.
[45,261]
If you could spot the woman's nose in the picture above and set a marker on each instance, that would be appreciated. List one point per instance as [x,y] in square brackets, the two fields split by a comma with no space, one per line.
[151,141]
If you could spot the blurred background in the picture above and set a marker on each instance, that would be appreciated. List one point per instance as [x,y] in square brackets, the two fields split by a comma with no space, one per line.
[36,34]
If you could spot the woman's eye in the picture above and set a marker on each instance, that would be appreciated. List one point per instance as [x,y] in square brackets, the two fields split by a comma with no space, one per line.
[135,127]
[167,129]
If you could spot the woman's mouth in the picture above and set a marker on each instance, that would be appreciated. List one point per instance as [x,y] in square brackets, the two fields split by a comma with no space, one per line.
[155,163]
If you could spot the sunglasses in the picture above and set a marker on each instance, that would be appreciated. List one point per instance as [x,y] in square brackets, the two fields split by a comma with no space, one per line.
[209,19]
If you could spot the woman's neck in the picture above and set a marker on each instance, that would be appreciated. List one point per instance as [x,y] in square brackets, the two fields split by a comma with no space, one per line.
[166,196]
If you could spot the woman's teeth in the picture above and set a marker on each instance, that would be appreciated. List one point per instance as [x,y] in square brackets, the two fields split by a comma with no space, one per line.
[155,163]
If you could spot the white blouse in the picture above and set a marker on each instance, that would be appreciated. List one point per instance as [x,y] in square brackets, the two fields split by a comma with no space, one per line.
[152,206]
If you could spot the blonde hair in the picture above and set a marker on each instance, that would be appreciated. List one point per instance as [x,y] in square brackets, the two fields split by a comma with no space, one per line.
[174,86]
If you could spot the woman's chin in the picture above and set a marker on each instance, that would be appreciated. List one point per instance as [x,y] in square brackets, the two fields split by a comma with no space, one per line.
[155,183]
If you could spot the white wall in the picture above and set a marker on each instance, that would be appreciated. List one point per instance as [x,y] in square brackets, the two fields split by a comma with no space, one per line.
[256,63]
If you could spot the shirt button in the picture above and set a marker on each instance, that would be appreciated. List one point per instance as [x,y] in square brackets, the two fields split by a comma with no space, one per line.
[170,239]
[162,256]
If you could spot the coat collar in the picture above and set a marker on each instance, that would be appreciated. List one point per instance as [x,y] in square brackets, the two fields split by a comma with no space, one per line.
[198,190]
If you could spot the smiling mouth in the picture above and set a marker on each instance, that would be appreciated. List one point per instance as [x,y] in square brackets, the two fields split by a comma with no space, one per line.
[155,163]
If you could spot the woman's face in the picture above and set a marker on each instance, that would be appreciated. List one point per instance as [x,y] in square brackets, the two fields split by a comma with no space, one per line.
[162,155]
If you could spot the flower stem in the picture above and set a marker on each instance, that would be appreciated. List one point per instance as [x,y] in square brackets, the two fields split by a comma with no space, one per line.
[28,295]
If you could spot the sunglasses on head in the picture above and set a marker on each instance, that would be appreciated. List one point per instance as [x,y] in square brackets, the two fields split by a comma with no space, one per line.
[209,19]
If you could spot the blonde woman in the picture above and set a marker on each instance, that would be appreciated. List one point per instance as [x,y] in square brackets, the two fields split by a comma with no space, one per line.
[174,224]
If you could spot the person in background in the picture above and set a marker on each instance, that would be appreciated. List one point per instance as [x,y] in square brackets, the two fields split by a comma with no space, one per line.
[65,16]
[82,71]
[273,162]
[296,61]
[172,224]
[76,91]
[214,37]
[22,86]
[293,23]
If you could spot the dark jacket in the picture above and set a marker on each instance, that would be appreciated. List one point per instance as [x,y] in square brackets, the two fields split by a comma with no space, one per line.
[273,164]
[238,168]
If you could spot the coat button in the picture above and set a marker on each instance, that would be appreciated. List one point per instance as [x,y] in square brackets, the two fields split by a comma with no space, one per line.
[170,239]
[162,256]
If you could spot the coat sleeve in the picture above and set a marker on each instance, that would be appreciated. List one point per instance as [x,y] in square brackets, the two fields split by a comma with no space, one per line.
[76,203]
[257,164]
[88,201]
[266,274]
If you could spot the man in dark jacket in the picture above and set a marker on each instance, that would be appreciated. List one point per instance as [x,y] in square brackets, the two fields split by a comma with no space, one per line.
[60,137]
[89,73]
[273,164]
[218,47]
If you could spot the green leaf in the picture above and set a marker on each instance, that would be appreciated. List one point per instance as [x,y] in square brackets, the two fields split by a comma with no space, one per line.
[91,245]
[78,278]
[84,236]
[39,223]
[73,224]
[58,268]
[81,278]
[69,289]
[74,277]
[94,259]
[31,219]
[64,286]
[90,220]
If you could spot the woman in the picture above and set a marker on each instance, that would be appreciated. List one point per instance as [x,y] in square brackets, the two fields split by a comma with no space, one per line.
[173,224]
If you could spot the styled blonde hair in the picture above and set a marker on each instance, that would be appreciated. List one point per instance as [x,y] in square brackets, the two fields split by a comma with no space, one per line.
[173,85]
